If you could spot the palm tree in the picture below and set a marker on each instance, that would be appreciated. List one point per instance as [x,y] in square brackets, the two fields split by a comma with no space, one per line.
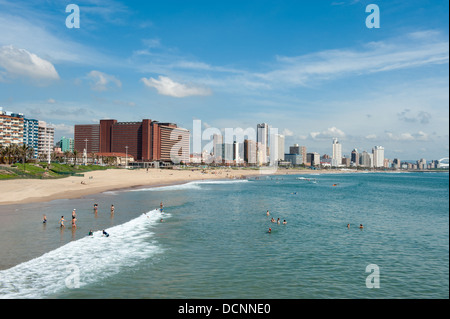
[24,151]
[67,154]
[75,155]
[7,153]
[2,149]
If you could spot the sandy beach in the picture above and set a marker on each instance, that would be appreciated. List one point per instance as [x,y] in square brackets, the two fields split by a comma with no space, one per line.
[23,191]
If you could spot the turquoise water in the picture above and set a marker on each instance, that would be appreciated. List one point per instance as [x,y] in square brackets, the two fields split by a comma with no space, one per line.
[213,241]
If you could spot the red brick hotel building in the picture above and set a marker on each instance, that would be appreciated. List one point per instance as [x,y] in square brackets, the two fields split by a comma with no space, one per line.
[146,141]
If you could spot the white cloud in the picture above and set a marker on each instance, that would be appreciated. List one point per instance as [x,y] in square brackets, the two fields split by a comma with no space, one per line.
[102,81]
[371,136]
[21,63]
[402,137]
[166,86]
[287,132]
[374,57]
[329,133]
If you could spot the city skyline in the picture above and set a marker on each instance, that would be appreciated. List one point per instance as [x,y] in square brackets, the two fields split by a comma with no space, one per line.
[312,70]
[263,135]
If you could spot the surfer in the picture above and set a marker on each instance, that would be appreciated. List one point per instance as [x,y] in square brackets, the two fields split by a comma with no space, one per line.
[105,233]
[91,233]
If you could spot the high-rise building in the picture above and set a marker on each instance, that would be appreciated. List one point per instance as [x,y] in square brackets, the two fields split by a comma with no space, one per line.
[355,157]
[378,156]
[313,158]
[31,134]
[218,148]
[66,144]
[336,160]
[250,151]
[278,147]
[396,163]
[11,128]
[262,140]
[294,159]
[365,159]
[295,149]
[87,137]
[174,143]
[46,139]
[422,164]
[145,141]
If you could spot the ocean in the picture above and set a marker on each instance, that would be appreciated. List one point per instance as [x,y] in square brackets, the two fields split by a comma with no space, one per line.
[212,240]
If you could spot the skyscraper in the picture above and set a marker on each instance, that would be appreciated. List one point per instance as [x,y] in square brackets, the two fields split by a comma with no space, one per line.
[355,157]
[31,134]
[378,156]
[365,159]
[11,128]
[250,151]
[278,147]
[262,140]
[336,160]
[46,139]
[218,148]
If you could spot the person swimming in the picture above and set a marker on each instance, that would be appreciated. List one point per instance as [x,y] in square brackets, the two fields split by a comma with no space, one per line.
[361,226]
[270,230]
[284,222]
[267,213]
[91,233]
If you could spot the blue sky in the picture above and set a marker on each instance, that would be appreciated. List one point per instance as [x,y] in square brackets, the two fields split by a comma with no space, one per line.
[312,69]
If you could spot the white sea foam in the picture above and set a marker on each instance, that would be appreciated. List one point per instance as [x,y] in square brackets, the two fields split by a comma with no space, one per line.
[191,185]
[94,258]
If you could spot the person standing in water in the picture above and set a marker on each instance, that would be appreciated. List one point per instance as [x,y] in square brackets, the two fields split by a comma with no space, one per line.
[44,221]
[61,222]
[161,206]
[112,209]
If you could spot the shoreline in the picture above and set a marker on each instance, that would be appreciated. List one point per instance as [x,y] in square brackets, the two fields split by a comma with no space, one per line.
[26,191]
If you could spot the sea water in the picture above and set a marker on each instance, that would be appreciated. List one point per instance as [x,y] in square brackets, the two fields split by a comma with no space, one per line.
[212,240]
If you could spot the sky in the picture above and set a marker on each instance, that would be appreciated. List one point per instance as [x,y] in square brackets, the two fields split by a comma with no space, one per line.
[311,69]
